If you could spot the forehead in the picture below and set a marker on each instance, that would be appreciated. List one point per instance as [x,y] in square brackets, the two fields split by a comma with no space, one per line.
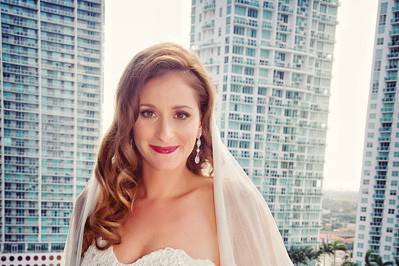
[170,89]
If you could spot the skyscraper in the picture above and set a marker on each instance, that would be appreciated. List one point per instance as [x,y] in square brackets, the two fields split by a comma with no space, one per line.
[377,224]
[51,96]
[271,62]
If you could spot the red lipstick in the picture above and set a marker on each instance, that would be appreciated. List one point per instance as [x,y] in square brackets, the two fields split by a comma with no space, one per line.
[164,150]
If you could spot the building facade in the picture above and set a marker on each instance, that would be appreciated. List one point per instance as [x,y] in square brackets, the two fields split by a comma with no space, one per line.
[271,62]
[377,224]
[51,96]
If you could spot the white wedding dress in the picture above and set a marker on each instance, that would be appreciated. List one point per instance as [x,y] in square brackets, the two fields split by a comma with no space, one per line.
[160,257]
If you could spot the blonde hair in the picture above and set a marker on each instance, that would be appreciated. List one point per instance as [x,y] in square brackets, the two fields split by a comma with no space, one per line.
[118,165]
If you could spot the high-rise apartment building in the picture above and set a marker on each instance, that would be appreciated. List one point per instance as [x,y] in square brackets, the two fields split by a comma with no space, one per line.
[271,62]
[51,95]
[377,224]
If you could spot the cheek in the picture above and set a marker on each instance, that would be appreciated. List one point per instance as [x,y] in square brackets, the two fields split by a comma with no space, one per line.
[189,132]
[140,132]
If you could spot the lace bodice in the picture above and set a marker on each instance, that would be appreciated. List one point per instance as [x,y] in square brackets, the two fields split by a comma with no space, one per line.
[161,257]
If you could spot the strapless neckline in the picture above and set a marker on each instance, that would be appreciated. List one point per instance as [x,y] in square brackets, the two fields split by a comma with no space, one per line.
[162,256]
[154,253]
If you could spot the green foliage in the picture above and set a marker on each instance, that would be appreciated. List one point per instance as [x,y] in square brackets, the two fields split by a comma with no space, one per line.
[371,259]
[302,255]
[349,263]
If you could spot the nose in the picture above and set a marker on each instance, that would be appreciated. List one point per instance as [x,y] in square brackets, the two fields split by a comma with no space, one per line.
[165,129]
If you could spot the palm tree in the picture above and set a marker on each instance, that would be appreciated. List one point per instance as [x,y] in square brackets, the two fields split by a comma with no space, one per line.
[349,263]
[337,245]
[311,254]
[378,261]
[302,255]
[325,249]
[348,260]
[296,254]
[368,258]
[375,260]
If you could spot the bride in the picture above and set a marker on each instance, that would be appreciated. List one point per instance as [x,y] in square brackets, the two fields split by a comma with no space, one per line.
[165,190]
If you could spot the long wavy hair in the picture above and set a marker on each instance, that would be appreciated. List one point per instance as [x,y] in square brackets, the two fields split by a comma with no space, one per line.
[119,164]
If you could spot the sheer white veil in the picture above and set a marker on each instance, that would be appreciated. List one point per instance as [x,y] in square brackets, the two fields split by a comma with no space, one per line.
[247,232]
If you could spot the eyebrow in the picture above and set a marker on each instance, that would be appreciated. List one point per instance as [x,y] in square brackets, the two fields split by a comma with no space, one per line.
[174,107]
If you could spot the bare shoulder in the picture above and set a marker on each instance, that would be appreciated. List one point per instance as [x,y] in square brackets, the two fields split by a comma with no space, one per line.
[206,183]
[204,220]
[203,188]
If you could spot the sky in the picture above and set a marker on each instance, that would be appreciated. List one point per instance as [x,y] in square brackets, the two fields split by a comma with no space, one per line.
[131,26]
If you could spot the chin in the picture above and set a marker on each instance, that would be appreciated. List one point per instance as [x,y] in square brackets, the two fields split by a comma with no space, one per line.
[166,164]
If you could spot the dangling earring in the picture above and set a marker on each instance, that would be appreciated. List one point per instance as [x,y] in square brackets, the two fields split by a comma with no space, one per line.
[197,159]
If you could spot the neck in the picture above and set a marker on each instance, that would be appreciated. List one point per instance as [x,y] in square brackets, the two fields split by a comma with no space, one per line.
[160,184]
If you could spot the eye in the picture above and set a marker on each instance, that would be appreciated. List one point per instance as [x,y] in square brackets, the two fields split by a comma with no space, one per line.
[147,114]
[182,115]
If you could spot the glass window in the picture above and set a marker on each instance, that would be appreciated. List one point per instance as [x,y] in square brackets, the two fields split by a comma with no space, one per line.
[267,14]
[253,13]
[239,30]
[383,8]
[239,10]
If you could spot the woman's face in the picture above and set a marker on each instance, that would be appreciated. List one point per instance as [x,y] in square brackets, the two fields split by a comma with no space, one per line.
[168,123]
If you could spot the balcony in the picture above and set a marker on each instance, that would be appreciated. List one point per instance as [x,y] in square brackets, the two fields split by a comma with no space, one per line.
[285,9]
[89,8]
[252,3]
[246,22]
[208,25]
[14,52]
[59,2]
[268,5]
[20,42]
[23,23]
[394,32]
[384,129]
[209,7]
[283,28]
[388,99]
[387,110]
[21,71]
[278,82]
[281,44]
[15,12]
[89,18]
[63,31]
[394,20]
[31,63]
[382,158]
[86,26]
[58,40]
[20,3]
[57,21]
[57,11]
[96,37]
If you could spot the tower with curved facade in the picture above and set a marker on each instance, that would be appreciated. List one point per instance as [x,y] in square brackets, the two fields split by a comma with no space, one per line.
[271,62]
[377,221]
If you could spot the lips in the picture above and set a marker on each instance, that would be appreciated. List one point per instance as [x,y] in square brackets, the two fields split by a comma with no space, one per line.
[164,150]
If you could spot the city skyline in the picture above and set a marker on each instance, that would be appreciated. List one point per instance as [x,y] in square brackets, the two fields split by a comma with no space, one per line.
[271,64]
[153,20]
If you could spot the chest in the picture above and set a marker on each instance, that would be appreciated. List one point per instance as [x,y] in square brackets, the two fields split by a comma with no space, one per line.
[189,225]
[164,221]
